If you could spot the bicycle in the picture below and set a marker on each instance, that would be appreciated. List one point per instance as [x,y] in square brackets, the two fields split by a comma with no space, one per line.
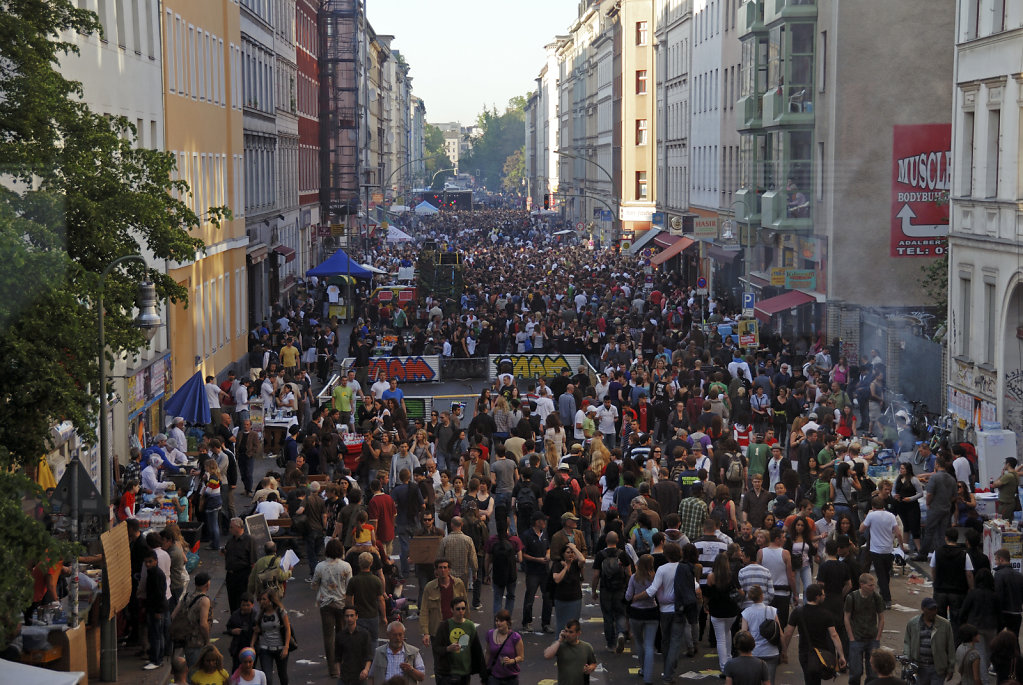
[909,669]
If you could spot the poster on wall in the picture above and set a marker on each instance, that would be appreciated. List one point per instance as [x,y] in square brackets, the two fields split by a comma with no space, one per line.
[921,179]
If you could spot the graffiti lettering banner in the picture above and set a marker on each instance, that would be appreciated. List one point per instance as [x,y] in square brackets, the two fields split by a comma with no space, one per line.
[533,365]
[405,369]
[921,179]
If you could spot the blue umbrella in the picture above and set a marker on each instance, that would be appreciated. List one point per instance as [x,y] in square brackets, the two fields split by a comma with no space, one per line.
[189,401]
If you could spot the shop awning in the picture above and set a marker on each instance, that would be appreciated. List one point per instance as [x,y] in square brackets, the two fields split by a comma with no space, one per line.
[793,298]
[287,252]
[257,253]
[680,243]
[721,255]
[665,239]
[642,241]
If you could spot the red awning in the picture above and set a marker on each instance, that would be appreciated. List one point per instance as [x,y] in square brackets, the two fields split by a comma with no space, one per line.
[665,239]
[793,298]
[286,252]
[676,247]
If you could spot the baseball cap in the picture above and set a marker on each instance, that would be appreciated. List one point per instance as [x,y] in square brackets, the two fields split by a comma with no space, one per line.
[569,516]
[928,603]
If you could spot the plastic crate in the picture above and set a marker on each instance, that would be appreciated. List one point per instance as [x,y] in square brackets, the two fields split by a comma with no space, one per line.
[191,531]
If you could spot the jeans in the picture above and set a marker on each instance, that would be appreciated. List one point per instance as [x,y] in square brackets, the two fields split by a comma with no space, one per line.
[612,607]
[502,500]
[673,630]
[609,440]
[949,605]
[506,593]
[403,535]
[565,610]
[267,660]
[782,603]
[928,676]
[804,577]
[245,467]
[883,568]
[157,625]
[372,626]
[723,637]
[934,531]
[313,540]
[772,667]
[213,525]
[643,633]
[331,621]
[534,582]
[859,652]
[807,678]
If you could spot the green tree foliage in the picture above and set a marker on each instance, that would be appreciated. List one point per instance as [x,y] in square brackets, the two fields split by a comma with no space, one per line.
[436,157]
[515,171]
[78,193]
[500,136]
[934,280]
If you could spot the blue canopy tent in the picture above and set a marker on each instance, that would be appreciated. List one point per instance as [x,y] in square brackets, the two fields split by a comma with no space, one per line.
[339,264]
[189,401]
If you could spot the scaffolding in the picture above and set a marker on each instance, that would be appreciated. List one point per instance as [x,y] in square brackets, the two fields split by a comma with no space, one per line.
[340,32]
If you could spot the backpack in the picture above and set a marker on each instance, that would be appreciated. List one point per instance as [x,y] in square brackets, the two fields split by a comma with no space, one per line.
[503,555]
[526,498]
[612,575]
[587,508]
[720,514]
[184,625]
[270,577]
[734,471]
[644,544]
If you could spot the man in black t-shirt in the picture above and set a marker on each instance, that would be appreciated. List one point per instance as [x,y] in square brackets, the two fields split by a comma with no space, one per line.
[610,581]
[836,580]
[816,631]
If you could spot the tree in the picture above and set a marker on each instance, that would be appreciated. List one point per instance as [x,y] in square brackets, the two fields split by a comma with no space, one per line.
[514,171]
[79,194]
[500,136]
[437,157]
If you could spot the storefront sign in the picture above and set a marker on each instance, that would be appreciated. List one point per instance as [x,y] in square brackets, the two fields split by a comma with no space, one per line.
[921,178]
[800,279]
[749,333]
[533,365]
[778,276]
[658,219]
[705,229]
[147,386]
[635,213]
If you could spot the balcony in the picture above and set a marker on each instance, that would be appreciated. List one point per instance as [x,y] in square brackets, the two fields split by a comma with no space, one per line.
[747,202]
[751,17]
[788,9]
[783,212]
[788,106]
[750,112]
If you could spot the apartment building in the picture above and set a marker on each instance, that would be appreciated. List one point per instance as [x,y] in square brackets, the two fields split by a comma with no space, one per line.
[673,47]
[307,96]
[985,269]
[203,105]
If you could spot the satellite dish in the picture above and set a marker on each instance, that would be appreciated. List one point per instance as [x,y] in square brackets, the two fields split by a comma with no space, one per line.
[676,222]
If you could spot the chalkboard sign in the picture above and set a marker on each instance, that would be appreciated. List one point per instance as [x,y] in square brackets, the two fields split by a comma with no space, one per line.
[257,529]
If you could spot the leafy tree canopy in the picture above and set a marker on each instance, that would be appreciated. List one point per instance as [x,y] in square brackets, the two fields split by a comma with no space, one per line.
[500,136]
[436,157]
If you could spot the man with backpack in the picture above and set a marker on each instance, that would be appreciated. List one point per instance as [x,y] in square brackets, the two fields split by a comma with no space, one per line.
[733,470]
[267,573]
[864,623]
[504,553]
[190,622]
[611,570]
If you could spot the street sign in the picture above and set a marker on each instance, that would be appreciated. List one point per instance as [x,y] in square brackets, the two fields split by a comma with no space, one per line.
[701,286]
[580,225]
[749,333]
[749,301]
[606,215]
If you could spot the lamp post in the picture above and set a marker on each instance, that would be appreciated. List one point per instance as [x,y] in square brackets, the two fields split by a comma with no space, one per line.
[607,173]
[387,183]
[148,320]
[747,245]
[439,172]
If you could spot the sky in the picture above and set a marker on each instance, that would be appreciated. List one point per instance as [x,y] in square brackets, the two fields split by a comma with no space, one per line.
[465,55]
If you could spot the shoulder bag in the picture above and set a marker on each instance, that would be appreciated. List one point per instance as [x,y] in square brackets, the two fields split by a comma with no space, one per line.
[821,664]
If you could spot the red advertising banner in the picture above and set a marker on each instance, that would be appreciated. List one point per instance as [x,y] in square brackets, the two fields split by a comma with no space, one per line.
[921,179]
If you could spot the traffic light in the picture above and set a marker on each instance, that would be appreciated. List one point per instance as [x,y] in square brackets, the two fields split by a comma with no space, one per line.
[547,201]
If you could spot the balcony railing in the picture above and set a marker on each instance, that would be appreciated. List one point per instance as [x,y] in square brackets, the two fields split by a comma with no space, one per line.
[786,211]
[751,17]
[747,205]
[750,112]
[788,9]
[788,105]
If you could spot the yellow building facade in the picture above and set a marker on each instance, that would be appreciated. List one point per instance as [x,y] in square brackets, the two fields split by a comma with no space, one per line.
[202,61]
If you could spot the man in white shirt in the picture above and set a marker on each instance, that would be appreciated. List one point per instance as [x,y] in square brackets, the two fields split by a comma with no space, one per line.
[272,510]
[213,393]
[544,407]
[577,424]
[739,366]
[601,386]
[607,415]
[543,390]
[178,440]
[378,388]
[240,393]
[884,532]
[961,466]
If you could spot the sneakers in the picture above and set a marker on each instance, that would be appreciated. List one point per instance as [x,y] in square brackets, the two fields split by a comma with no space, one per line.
[151,666]
[546,629]
[620,643]
[477,607]
[309,580]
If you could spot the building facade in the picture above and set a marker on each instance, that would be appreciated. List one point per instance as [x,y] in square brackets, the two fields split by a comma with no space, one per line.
[672,44]
[985,271]
[203,100]
[307,96]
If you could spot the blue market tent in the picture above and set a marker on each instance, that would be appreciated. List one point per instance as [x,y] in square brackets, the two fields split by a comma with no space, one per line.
[189,401]
[339,264]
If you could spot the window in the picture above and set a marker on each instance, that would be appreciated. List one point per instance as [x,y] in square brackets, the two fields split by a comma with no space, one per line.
[993,125]
[136,28]
[822,74]
[641,33]
[966,181]
[990,323]
[640,185]
[120,24]
[151,29]
[964,313]
[640,131]
[104,18]
[641,82]
[172,84]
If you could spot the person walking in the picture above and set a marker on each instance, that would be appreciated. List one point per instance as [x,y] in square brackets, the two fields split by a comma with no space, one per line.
[939,497]
[952,571]
[766,639]
[816,632]
[504,651]
[397,659]
[437,596]
[200,614]
[928,641]
[157,616]
[239,557]
[459,549]
[612,568]
[568,589]
[722,606]
[907,493]
[864,623]
[1009,588]
[504,555]
[574,657]
[982,609]
[745,669]
[643,614]
[353,650]
[884,534]
[366,592]
[330,582]
[457,653]
[271,636]
[536,547]
[778,561]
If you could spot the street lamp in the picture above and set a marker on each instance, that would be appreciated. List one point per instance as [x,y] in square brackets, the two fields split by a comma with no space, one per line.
[607,173]
[148,320]
[747,245]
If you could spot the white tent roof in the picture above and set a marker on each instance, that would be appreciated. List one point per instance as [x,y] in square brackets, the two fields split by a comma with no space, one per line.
[396,235]
[425,208]
[398,209]
[373,269]
[23,674]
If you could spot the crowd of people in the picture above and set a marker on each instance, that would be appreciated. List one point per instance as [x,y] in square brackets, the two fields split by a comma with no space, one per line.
[695,490]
